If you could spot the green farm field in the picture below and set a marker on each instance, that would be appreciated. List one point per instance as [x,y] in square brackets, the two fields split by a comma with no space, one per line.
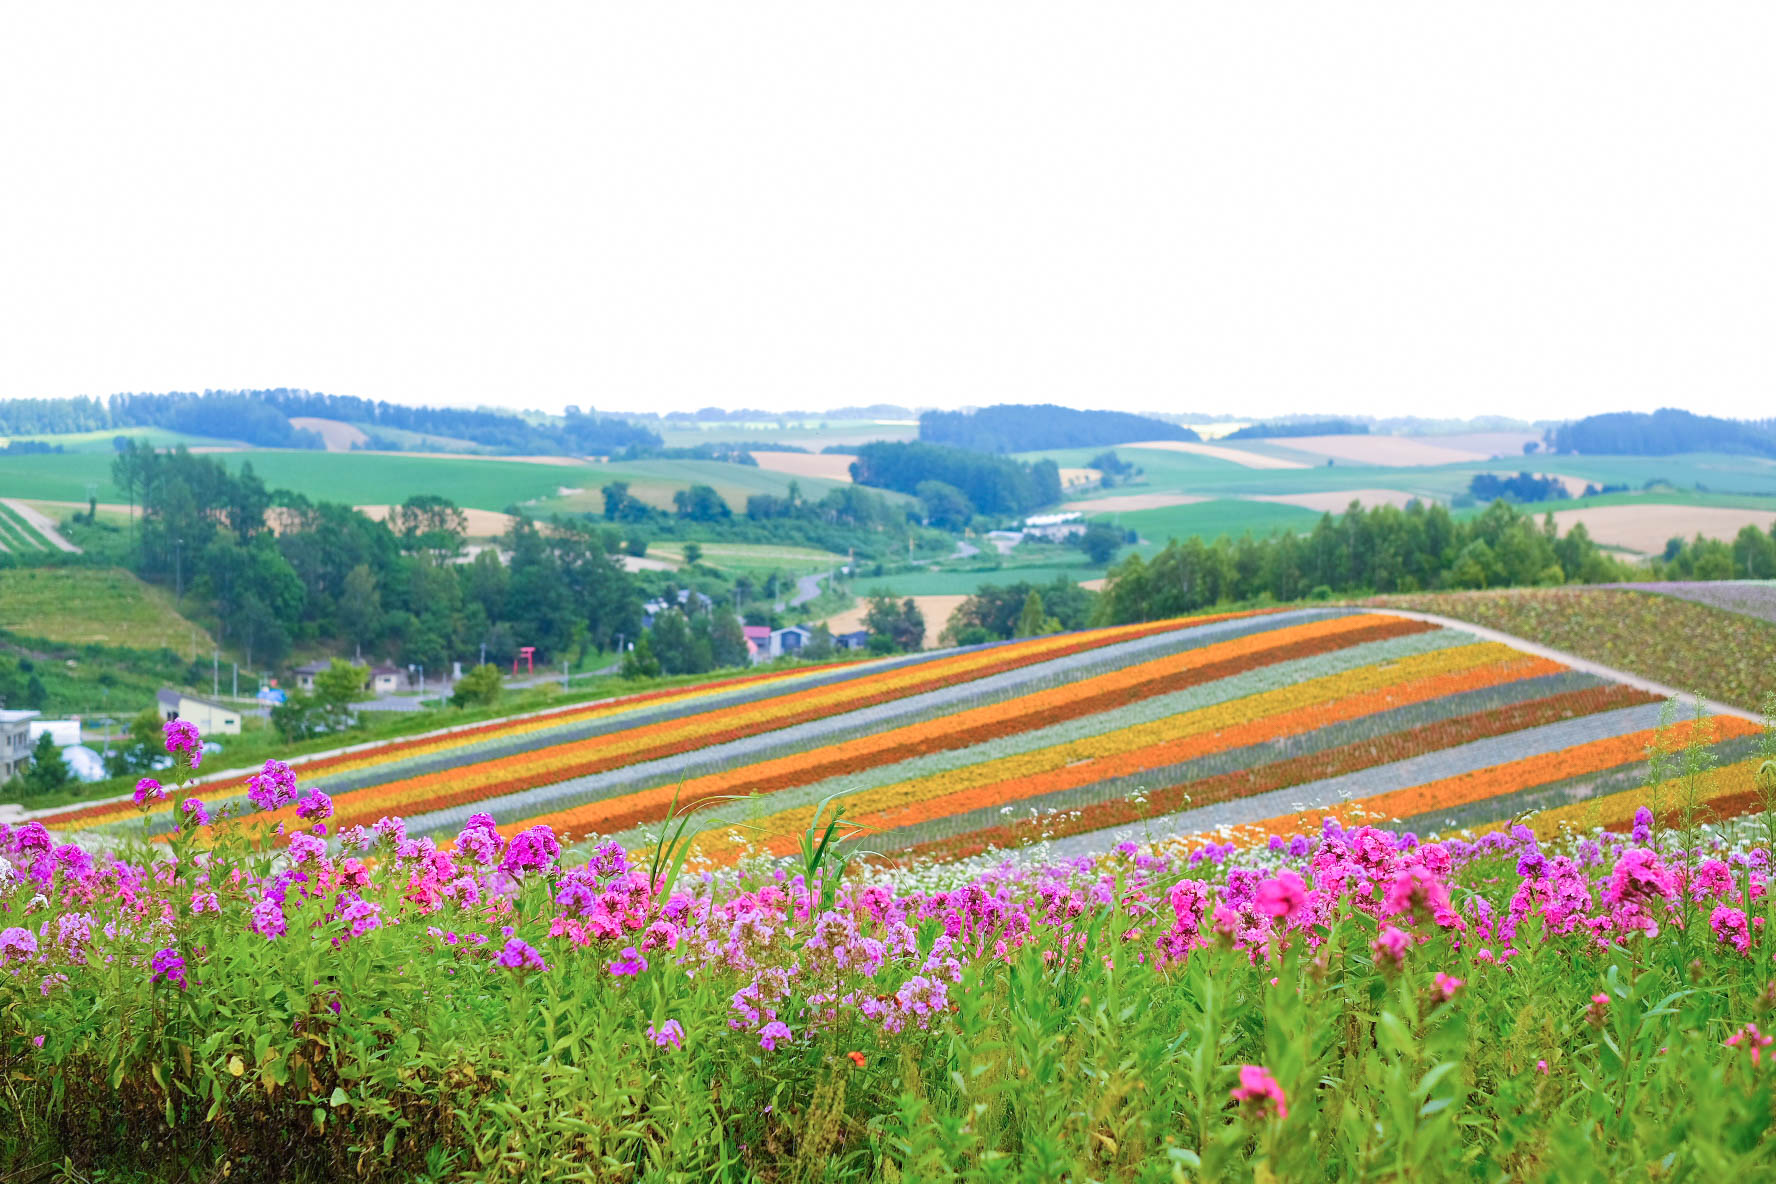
[655,481]
[752,556]
[84,605]
[1211,520]
[967,583]
[358,478]
[104,441]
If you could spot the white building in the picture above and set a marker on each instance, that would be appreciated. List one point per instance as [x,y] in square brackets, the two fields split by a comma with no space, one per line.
[211,718]
[1055,526]
[15,741]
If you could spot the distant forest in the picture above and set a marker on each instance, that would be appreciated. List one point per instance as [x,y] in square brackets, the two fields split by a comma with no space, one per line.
[1022,427]
[1663,433]
[955,483]
[1381,549]
[1308,427]
[262,417]
[227,415]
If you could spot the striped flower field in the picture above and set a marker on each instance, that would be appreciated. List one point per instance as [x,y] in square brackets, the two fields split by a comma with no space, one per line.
[1248,724]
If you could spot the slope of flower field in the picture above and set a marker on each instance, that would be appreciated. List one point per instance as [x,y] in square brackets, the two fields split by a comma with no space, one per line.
[1678,642]
[1243,724]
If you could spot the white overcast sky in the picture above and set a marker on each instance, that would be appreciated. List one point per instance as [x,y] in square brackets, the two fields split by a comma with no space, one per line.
[1539,209]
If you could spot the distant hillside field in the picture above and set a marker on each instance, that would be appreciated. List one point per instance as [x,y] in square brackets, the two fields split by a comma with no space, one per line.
[359,478]
[1727,655]
[340,437]
[82,605]
[1014,427]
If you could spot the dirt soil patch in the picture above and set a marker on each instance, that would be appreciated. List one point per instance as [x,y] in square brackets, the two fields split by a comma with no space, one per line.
[936,610]
[483,524]
[1238,456]
[1119,503]
[829,466]
[339,435]
[1384,451]
[1645,528]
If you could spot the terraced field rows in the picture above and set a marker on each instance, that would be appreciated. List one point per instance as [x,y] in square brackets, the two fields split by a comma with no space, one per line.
[1246,724]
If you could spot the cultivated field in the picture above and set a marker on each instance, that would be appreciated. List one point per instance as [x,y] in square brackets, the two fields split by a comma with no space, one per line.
[1247,724]
[1337,501]
[826,466]
[936,610]
[86,604]
[1183,952]
[339,435]
[1227,452]
[1388,451]
[1645,527]
[1122,502]
[1677,642]
[1753,598]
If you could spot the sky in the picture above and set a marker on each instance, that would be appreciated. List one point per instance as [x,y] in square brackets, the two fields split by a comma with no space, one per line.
[1528,209]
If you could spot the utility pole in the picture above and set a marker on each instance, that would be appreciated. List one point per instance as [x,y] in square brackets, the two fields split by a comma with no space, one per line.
[215,673]
[178,573]
[235,690]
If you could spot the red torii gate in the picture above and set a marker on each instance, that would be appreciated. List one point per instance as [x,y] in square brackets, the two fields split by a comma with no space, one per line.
[528,653]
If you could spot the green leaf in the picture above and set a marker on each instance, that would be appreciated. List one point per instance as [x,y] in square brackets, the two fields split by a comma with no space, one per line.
[340,1097]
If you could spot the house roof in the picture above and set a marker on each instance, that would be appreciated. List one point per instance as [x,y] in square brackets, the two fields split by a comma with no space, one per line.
[170,699]
[312,667]
[802,629]
[17,716]
[756,632]
[386,668]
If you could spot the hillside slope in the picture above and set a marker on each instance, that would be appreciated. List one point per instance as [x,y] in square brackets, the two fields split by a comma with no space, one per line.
[1243,724]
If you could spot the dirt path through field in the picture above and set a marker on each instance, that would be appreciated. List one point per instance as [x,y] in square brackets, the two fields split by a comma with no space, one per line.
[44,526]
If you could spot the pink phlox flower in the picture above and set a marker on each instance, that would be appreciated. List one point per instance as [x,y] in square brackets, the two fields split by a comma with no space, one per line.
[183,742]
[1389,948]
[1730,927]
[520,955]
[314,806]
[1754,1041]
[668,1034]
[1259,1091]
[149,791]
[1283,896]
[774,1033]
[168,966]
[268,919]
[17,944]
[629,964]
[273,787]
[1445,986]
